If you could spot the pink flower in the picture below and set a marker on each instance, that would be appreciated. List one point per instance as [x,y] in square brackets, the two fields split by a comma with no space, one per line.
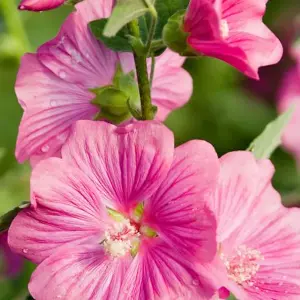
[53,85]
[120,216]
[289,95]
[12,262]
[233,31]
[258,239]
[40,5]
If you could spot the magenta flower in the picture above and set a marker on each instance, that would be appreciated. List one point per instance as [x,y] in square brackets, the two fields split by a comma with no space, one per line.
[120,216]
[233,31]
[10,263]
[40,5]
[258,252]
[53,86]
[289,94]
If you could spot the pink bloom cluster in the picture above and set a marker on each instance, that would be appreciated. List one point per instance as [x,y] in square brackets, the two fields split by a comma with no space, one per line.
[117,212]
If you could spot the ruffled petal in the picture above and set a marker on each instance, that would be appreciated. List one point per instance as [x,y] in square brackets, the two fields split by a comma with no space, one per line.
[40,5]
[75,54]
[66,208]
[84,272]
[177,210]
[242,179]
[51,106]
[127,164]
[158,272]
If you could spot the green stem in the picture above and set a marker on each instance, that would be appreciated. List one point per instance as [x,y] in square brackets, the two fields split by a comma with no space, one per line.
[157,45]
[142,76]
[152,28]
[14,24]
[152,69]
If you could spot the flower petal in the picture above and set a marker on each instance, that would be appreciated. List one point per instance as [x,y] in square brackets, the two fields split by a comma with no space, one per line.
[40,5]
[75,54]
[158,272]
[127,164]
[66,208]
[51,106]
[83,272]
[241,180]
[177,210]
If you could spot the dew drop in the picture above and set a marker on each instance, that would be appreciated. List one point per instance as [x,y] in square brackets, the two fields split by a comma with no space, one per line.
[195,282]
[45,148]
[59,296]
[53,103]
[22,7]
[62,74]
[25,250]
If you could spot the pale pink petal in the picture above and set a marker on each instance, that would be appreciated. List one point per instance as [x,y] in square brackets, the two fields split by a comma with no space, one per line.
[127,164]
[172,86]
[83,272]
[241,181]
[274,231]
[289,95]
[51,106]
[158,272]
[76,55]
[66,208]
[40,5]
[177,210]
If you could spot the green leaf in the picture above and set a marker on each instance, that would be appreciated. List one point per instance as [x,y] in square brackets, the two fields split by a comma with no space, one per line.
[7,218]
[264,145]
[124,12]
[116,43]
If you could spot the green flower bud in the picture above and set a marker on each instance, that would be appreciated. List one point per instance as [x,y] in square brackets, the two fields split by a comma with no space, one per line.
[174,35]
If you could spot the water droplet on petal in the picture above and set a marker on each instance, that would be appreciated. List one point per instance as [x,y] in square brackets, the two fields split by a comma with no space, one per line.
[45,148]
[25,250]
[62,74]
[53,103]
[59,296]
[22,7]
[195,282]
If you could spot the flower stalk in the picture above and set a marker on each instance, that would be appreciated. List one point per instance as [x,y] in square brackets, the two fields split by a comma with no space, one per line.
[140,60]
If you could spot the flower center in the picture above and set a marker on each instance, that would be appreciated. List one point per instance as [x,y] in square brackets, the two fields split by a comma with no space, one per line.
[121,238]
[224,28]
[243,265]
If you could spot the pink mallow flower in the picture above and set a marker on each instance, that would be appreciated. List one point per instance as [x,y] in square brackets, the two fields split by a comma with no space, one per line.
[233,31]
[258,239]
[289,95]
[40,5]
[53,86]
[10,263]
[121,215]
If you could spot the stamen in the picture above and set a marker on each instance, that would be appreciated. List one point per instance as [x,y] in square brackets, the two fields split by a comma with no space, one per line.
[224,28]
[243,265]
[120,238]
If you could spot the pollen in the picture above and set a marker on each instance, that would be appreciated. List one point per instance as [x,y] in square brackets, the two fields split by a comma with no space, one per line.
[243,265]
[224,28]
[121,238]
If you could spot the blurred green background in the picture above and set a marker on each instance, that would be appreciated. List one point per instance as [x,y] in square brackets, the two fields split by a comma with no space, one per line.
[226,109]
